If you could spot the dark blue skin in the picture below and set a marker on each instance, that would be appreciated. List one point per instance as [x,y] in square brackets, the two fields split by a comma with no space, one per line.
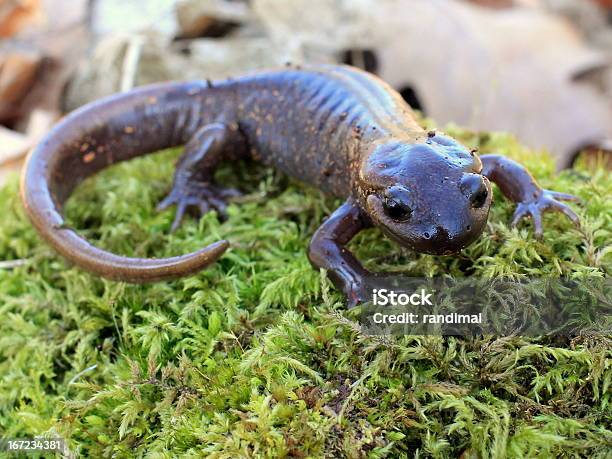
[334,127]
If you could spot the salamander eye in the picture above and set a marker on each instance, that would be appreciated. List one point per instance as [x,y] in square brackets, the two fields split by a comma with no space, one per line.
[480,197]
[396,210]
[475,188]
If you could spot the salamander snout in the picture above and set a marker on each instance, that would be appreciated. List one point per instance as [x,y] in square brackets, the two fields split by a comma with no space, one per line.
[476,187]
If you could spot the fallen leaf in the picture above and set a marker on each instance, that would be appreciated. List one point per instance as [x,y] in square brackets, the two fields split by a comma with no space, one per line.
[15,15]
[18,69]
[13,145]
[518,69]
[495,3]
[515,70]
[210,18]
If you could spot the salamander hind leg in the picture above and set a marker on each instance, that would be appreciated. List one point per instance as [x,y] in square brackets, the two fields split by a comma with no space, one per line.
[194,186]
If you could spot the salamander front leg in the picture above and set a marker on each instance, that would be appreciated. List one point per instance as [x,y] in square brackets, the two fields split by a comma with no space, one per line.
[517,184]
[194,177]
[327,250]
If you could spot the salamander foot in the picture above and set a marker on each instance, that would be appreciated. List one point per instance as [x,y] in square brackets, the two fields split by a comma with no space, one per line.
[200,196]
[356,293]
[546,200]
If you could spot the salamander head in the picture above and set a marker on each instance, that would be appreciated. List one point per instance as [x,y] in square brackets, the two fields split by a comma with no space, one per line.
[428,196]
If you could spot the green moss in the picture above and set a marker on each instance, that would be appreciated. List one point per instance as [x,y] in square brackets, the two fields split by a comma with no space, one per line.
[256,356]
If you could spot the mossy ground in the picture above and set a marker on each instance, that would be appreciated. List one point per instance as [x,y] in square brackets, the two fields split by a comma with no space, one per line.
[257,356]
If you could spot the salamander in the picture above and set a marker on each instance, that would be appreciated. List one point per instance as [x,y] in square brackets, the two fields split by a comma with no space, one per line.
[337,128]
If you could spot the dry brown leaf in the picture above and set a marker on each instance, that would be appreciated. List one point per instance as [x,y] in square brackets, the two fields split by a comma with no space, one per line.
[34,76]
[197,18]
[18,70]
[13,145]
[40,122]
[604,3]
[494,3]
[515,70]
[15,15]
[518,70]
[207,58]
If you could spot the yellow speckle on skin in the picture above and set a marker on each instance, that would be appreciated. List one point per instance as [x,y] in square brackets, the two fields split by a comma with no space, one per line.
[129,129]
[89,157]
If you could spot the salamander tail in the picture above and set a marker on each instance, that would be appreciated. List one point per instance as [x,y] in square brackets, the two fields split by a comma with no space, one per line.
[95,136]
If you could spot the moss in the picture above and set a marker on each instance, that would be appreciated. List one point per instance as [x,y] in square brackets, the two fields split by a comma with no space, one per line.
[256,356]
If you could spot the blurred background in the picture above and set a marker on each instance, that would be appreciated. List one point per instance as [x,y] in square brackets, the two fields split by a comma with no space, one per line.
[540,69]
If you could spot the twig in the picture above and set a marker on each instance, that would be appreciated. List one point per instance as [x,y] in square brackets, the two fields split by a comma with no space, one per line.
[78,375]
[10,264]
[130,63]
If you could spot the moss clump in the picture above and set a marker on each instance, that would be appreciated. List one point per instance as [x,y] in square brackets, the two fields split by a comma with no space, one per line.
[256,356]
